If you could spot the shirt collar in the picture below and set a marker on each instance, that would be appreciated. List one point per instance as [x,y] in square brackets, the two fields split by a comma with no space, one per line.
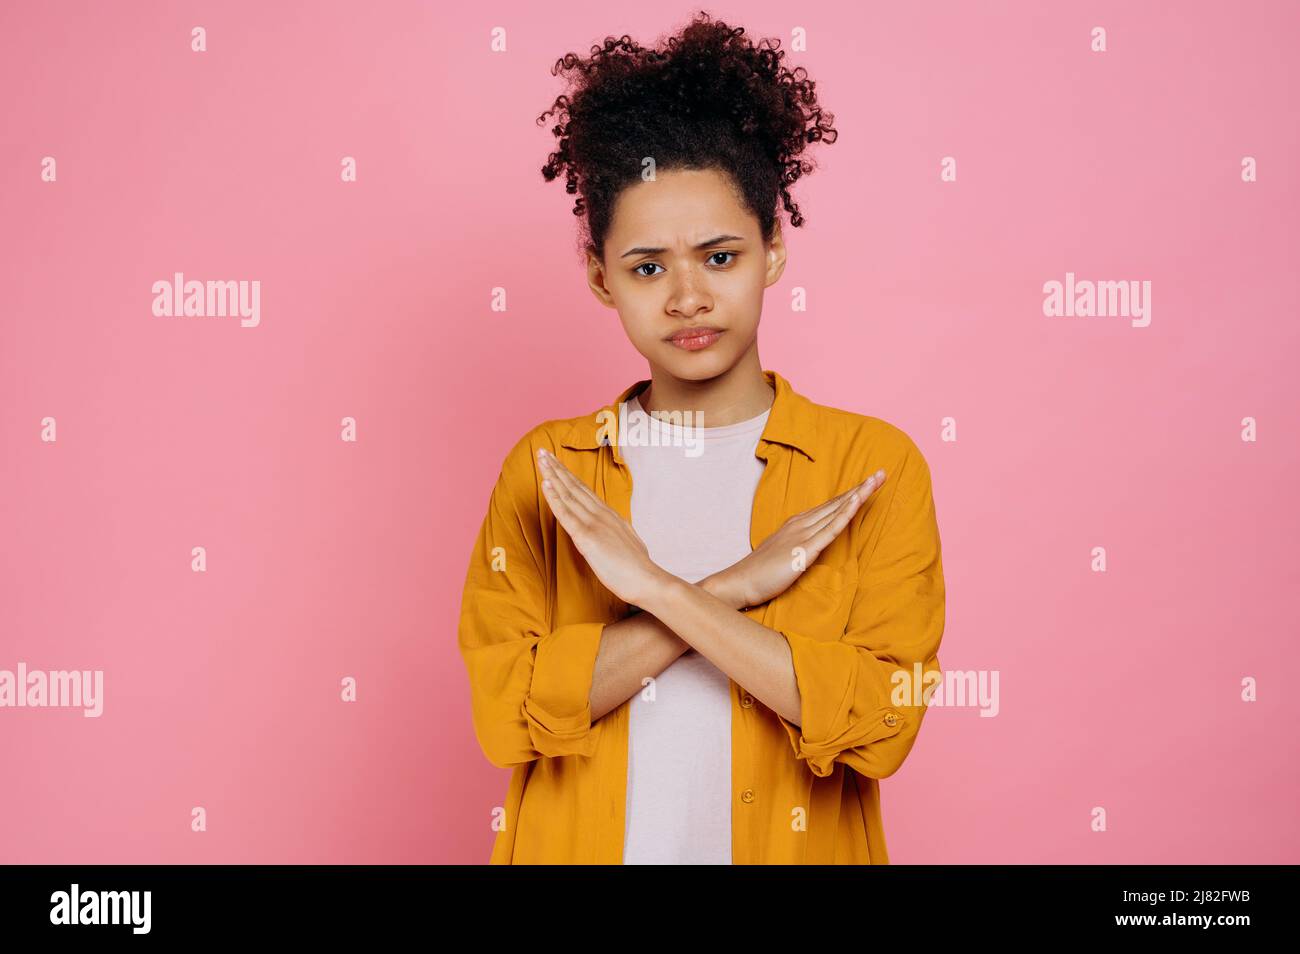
[792,420]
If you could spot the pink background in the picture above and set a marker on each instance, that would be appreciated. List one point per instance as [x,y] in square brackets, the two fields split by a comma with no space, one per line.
[328,559]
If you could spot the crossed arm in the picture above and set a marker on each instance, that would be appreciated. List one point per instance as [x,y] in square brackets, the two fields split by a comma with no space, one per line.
[644,645]
[678,615]
[537,687]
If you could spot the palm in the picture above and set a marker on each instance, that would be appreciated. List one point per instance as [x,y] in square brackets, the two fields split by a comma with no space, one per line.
[613,550]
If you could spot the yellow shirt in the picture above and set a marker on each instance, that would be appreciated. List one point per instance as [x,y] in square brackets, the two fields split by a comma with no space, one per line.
[863,622]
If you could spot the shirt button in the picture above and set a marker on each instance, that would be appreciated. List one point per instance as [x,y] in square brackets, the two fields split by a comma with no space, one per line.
[891,720]
[747,700]
[747,795]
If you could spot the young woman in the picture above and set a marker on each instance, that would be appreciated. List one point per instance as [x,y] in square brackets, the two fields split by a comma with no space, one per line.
[703,635]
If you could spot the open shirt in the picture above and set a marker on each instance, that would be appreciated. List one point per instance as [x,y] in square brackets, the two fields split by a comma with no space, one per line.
[863,623]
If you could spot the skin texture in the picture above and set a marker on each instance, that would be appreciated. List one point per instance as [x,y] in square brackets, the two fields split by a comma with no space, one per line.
[655,293]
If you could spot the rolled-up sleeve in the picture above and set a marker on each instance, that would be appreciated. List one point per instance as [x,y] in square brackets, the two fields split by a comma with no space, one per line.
[530,685]
[855,707]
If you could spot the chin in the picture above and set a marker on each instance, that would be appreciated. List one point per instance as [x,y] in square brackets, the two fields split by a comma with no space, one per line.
[697,365]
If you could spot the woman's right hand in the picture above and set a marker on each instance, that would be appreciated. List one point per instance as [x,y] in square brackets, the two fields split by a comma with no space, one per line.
[780,559]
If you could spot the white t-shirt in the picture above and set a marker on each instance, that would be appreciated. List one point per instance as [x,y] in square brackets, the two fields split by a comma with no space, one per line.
[694,515]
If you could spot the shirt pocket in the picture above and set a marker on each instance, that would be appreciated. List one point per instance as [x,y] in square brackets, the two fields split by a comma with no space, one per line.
[818,603]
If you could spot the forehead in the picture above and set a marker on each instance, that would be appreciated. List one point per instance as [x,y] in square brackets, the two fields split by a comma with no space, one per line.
[679,205]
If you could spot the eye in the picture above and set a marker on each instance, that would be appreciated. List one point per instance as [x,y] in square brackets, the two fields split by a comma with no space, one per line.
[712,258]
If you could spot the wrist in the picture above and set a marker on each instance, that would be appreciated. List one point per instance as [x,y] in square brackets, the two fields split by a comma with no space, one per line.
[725,587]
[658,586]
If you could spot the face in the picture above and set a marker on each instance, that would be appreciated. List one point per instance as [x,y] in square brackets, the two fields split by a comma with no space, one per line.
[684,256]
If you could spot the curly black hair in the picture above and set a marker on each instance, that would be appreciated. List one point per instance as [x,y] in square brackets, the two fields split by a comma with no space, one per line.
[707,98]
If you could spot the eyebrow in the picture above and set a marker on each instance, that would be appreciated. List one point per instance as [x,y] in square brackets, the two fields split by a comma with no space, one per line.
[716,240]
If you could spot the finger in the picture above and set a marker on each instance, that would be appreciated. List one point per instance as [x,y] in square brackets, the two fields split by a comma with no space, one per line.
[558,506]
[851,500]
[579,494]
[821,512]
[560,492]
[833,528]
[835,525]
[875,480]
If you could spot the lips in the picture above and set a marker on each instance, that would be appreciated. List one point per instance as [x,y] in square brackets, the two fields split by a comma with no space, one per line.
[686,334]
[695,339]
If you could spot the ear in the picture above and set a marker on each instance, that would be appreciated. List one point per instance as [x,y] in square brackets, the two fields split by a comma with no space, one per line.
[596,279]
[775,255]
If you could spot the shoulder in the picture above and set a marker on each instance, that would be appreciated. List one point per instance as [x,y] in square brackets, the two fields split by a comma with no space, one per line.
[520,462]
[863,443]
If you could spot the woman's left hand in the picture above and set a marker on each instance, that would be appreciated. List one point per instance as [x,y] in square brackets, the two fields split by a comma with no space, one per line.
[612,549]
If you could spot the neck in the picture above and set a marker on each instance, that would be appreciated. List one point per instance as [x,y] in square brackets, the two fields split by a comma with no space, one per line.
[738,394]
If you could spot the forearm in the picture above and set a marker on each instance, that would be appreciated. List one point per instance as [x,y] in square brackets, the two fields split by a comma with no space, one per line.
[753,655]
[638,646]
[631,649]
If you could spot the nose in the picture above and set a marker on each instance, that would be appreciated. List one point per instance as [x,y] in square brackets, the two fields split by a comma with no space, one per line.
[690,294]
